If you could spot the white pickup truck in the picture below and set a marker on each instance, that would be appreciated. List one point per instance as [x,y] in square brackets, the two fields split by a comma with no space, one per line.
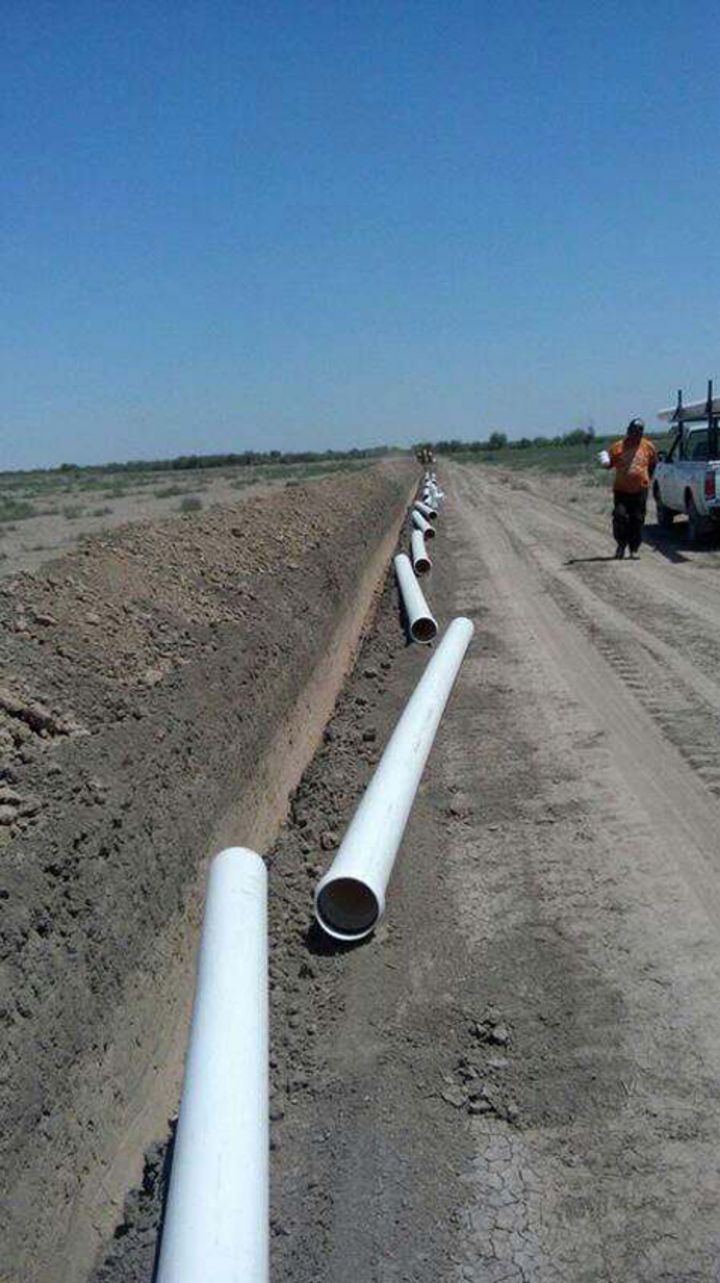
[687,477]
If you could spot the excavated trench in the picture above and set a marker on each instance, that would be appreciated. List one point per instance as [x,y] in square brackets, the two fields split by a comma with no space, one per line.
[162,691]
[365,1152]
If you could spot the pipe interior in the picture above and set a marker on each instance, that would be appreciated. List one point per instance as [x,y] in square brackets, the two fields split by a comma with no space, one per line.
[422,565]
[424,628]
[348,907]
[430,532]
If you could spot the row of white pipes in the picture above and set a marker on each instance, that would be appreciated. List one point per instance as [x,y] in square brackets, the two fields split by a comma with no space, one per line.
[422,624]
[216,1215]
[350,898]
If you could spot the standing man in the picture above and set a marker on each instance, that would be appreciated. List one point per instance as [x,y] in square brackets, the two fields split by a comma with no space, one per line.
[634,460]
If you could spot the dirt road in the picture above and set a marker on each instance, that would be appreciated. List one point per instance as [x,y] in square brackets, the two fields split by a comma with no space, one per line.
[517,1078]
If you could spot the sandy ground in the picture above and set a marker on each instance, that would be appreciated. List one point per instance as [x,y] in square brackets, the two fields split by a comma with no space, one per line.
[517,1078]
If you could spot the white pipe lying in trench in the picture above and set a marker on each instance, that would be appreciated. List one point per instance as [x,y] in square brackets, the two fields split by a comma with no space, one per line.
[421,623]
[421,523]
[216,1219]
[420,559]
[426,510]
[350,897]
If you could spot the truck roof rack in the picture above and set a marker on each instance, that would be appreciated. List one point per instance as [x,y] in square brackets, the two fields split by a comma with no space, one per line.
[696,412]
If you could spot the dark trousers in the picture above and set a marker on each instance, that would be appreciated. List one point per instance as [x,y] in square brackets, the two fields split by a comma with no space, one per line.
[629,519]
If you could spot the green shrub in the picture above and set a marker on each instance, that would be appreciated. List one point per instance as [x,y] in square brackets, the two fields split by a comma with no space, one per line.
[16,510]
[172,492]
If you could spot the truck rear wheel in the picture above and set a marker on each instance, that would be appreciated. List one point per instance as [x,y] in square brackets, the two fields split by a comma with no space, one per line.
[695,524]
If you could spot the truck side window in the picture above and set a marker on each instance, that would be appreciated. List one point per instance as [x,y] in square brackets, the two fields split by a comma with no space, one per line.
[698,445]
[682,453]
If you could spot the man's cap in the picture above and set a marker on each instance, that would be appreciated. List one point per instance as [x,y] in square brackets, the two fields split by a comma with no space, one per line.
[636,425]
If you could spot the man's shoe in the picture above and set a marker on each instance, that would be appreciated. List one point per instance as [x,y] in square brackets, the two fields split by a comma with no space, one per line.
[620,552]
[634,554]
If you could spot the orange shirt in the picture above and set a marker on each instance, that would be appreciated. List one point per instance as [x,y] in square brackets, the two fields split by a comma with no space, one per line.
[631,463]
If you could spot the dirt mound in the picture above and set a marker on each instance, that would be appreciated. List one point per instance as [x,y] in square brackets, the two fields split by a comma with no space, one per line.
[162,690]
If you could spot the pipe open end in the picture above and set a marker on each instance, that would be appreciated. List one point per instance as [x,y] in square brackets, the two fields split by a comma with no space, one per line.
[432,515]
[430,532]
[421,565]
[347,909]
[423,629]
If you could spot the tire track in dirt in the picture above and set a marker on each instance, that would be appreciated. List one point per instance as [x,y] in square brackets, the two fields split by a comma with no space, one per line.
[683,699]
[586,884]
[681,609]
[695,591]
[675,792]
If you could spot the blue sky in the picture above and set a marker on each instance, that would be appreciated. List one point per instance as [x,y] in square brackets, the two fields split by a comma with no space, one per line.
[312,225]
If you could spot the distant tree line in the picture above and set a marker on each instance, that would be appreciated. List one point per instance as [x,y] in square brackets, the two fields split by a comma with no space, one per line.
[257,458]
[246,459]
[499,441]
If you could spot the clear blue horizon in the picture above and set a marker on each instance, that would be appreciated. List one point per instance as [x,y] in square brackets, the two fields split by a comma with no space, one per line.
[319,226]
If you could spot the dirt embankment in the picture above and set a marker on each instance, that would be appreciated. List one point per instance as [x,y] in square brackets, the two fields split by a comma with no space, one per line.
[161,693]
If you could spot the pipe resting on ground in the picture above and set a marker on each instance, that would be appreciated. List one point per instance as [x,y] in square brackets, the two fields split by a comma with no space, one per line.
[421,622]
[421,523]
[350,898]
[216,1218]
[420,559]
[426,510]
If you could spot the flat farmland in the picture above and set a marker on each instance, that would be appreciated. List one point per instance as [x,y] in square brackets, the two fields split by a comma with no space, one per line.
[45,514]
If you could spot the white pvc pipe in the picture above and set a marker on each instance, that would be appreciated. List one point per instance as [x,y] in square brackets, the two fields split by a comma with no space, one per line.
[421,523]
[422,625]
[425,510]
[350,897]
[216,1219]
[420,559]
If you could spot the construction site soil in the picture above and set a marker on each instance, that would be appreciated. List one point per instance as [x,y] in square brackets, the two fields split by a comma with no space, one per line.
[514,1080]
[162,690]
